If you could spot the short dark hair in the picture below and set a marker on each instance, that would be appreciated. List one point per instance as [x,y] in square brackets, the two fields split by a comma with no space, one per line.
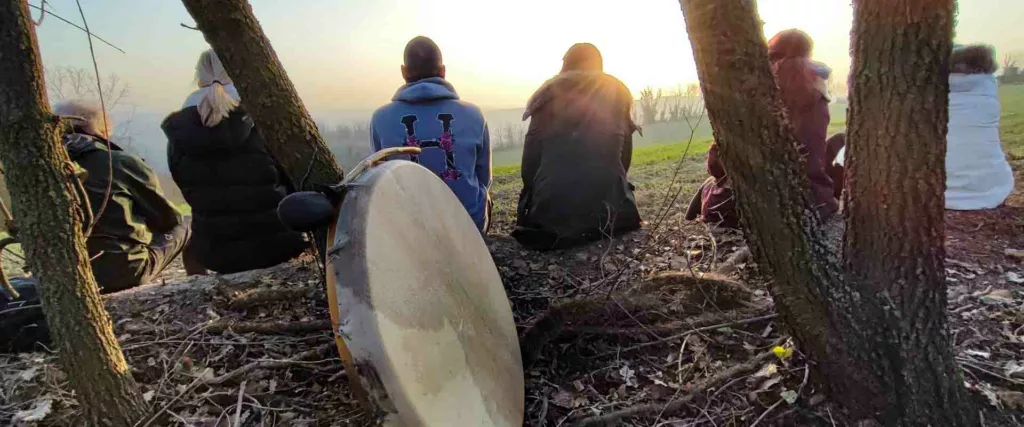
[422,58]
[582,57]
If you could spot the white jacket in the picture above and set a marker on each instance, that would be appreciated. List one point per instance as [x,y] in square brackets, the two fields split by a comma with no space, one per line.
[977,173]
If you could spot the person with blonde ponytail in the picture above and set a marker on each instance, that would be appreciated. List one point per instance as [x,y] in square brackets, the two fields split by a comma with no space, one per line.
[233,184]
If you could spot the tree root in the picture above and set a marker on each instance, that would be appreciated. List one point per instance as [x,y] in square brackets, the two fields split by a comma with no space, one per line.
[654,409]
[550,324]
[270,328]
[584,313]
[700,289]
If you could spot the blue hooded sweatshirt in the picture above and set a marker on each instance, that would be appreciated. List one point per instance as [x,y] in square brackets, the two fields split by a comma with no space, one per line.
[452,133]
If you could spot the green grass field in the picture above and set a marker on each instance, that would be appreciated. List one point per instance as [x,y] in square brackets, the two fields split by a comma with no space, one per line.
[1011,125]
[1011,130]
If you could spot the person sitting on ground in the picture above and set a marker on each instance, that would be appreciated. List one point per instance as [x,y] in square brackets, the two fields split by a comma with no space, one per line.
[802,86]
[978,175]
[137,231]
[577,154]
[427,113]
[221,163]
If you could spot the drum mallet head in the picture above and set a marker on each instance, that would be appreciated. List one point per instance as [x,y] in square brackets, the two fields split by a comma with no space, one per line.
[306,211]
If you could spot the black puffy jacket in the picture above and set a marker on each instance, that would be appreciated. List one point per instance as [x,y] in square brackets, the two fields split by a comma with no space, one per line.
[233,186]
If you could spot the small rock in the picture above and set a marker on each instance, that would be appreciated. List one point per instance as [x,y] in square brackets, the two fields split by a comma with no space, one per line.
[1014,277]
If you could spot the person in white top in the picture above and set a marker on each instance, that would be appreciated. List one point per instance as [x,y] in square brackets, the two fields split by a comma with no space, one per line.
[977,173]
[978,176]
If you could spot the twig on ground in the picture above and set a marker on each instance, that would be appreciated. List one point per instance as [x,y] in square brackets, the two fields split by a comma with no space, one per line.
[675,405]
[195,383]
[238,408]
[969,364]
[300,358]
[766,411]
[684,334]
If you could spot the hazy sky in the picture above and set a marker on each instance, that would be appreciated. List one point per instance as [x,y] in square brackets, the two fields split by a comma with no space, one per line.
[345,54]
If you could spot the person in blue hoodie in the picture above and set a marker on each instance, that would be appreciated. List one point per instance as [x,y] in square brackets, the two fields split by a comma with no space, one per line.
[427,113]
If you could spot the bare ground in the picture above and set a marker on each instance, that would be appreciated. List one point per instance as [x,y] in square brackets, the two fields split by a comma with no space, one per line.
[637,332]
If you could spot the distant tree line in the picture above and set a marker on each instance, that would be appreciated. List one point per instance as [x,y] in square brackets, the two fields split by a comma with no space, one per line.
[678,105]
[350,143]
[1012,73]
[508,135]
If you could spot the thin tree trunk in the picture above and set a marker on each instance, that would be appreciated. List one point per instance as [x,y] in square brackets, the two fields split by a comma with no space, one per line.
[879,338]
[267,93]
[897,148]
[49,222]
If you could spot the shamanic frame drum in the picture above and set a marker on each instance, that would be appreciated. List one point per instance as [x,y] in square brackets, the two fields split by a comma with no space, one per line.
[421,318]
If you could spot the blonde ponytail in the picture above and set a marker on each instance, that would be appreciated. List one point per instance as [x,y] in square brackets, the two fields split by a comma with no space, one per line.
[216,103]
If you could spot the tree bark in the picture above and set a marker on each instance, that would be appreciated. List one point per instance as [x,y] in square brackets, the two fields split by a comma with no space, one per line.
[879,338]
[40,178]
[896,179]
[759,151]
[267,94]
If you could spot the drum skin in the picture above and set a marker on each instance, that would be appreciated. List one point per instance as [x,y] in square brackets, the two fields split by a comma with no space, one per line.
[419,305]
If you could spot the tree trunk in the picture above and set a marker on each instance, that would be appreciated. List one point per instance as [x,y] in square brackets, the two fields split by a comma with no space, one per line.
[760,154]
[896,179]
[884,354]
[40,178]
[267,93]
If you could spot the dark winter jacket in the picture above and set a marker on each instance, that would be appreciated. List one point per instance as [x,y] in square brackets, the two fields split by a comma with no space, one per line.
[136,209]
[577,153]
[233,186]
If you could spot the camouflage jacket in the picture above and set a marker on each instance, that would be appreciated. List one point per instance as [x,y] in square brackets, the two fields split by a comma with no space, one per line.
[137,207]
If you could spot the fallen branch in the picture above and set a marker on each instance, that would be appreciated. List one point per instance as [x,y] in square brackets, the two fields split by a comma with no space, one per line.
[265,296]
[270,328]
[271,364]
[653,409]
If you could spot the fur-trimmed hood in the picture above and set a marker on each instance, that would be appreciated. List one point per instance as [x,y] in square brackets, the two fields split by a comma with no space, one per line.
[973,59]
